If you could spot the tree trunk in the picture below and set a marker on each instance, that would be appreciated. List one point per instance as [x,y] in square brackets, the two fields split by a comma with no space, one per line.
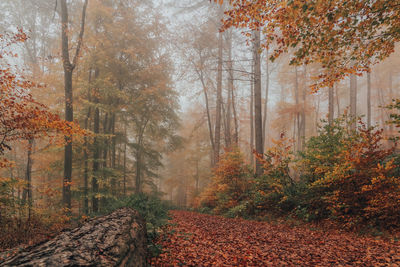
[113,153]
[257,101]
[235,118]
[337,100]
[217,139]
[353,100]
[330,105]
[264,129]
[105,146]
[209,122]
[124,171]
[390,99]
[138,171]
[96,156]
[140,143]
[85,153]
[118,239]
[297,91]
[69,114]
[228,132]
[27,193]
[369,99]
[197,178]
[303,112]
[252,116]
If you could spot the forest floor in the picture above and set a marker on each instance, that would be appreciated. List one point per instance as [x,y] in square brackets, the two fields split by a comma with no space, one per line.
[194,239]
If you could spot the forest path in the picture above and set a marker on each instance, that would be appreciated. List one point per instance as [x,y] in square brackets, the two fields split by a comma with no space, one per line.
[203,240]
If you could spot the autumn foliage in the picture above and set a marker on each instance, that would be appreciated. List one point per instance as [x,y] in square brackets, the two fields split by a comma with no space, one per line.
[357,184]
[194,239]
[342,36]
[22,118]
[344,175]
[229,183]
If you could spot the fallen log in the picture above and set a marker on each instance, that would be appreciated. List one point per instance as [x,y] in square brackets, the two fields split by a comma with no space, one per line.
[118,239]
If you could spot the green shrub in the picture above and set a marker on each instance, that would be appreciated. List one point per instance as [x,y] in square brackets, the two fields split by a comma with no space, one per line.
[241,210]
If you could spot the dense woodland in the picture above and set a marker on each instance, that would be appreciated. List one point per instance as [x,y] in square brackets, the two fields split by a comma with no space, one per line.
[238,108]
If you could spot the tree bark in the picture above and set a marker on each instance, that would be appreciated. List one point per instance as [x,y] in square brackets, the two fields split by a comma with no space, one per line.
[118,239]
[353,100]
[252,116]
[209,122]
[124,171]
[302,131]
[96,156]
[228,132]
[85,152]
[264,129]
[330,105]
[257,101]
[217,139]
[69,113]
[27,193]
[369,99]
[139,150]
[235,117]
[337,100]
[113,153]
[297,92]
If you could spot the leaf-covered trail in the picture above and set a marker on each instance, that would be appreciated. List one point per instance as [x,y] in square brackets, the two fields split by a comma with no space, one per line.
[205,240]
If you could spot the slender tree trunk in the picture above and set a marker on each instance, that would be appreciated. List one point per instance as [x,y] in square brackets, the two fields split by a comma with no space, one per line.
[124,172]
[68,71]
[381,103]
[252,116]
[96,156]
[105,143]
[390,99]
[337,100]
[230,89]
[296,85]
[27,193]
[68,146]
[105,165]
[368,99]
[235,119]
[139,150]
[85,153]
[197,178]
[224,123]
[264,129]
[317,114]
[257,101]
[138,172]
[113,152]
[353,100]
[219,95]
[303,112]
[209,122]
[330,105]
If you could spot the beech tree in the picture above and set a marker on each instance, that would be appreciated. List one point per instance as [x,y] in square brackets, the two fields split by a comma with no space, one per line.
[69,67]
[345,37]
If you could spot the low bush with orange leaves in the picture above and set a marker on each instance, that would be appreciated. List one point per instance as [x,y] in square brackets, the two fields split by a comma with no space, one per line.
[230,183]
[357,183]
